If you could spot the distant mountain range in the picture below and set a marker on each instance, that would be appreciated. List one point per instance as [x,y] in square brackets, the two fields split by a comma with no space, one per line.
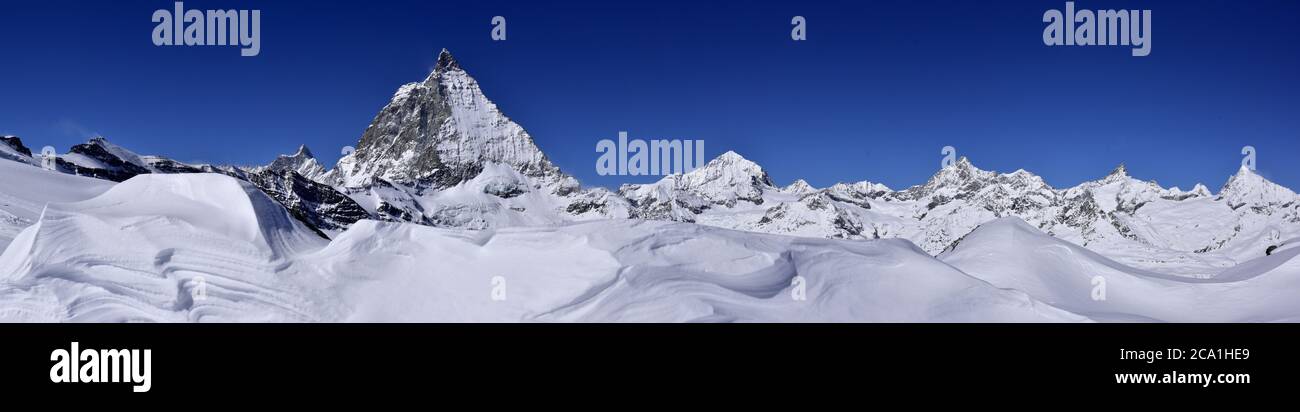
[441,154]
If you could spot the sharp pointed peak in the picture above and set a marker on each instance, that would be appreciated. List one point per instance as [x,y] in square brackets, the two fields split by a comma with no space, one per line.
[303,151]
[963,164]
[1248,186]
[730,160]
[1121,170]
[1244,174]
[1200,189]
[1118,174]
[799,183]
[731,155]
[446,61]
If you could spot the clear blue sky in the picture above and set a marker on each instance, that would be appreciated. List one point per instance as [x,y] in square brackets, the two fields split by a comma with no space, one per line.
[876,91]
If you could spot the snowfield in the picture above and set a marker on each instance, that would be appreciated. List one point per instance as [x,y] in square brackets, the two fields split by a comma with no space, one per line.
[24,191]
[209,247]
[1009,253]
[137,253]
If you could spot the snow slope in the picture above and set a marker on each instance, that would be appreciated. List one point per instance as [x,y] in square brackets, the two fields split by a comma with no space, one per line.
[137,252]
[630,271]
[1009,253]
[25,189]
[1185,233]
[209,247]
[144,249]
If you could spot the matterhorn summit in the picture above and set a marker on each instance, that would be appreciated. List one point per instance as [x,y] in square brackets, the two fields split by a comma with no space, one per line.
[440,132]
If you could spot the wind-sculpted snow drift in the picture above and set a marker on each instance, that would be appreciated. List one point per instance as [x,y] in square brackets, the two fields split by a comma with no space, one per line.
[139,251]
[1009,253]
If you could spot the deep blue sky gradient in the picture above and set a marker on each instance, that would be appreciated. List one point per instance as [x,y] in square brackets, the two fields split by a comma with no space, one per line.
[876,91]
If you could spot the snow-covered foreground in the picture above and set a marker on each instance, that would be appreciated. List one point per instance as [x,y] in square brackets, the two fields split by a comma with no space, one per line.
[207,247]
[24,191]
[1011,254]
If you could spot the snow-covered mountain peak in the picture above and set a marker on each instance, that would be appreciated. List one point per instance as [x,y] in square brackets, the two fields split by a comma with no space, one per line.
[963,169]
[1119,173]
[12,148]
[446,61]
[119,151]
[304,152]
[1249,188]
[724,181]
[728,170]
[440,132]
[1024,178]
[731,156]
[730,161]
[1200,190]
[870,187]
[799,187]
[302,162]
[15,143]
[961,176]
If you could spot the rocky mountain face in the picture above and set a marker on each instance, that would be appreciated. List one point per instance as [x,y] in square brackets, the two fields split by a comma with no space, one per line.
[12,148]
[100,159]
[441,153]
[438,133]
[301,162]
[318,205]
